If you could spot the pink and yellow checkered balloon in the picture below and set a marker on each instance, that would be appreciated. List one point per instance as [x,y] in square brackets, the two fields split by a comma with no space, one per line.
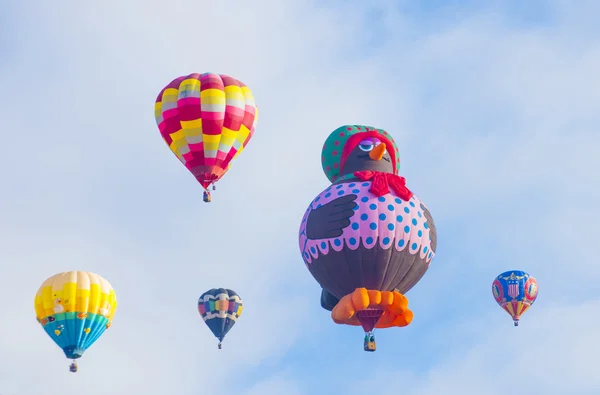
[206,120]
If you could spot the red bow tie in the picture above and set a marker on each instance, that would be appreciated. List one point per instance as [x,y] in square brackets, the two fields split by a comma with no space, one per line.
[382,182]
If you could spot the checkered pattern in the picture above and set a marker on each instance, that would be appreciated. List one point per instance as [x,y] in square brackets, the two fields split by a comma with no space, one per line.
[220,303]
[206,120]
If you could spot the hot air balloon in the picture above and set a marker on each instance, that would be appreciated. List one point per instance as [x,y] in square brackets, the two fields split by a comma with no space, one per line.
[515,291]
[366,239]
[206,120]
[75,308]
[220,308]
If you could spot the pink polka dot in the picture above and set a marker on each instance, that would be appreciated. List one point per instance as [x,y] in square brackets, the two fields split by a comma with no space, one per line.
[389,222]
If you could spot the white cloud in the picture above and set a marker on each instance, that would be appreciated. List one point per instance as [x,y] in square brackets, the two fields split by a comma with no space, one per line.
[550,353]
[497,126]
[275,385]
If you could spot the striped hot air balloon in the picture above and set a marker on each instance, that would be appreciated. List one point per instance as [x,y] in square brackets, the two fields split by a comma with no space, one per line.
[206,120]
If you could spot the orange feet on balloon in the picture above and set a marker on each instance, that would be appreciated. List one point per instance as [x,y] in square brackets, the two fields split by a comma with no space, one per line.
[392,304]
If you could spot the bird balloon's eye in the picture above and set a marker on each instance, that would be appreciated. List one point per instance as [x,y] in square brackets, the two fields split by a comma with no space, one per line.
[366,146]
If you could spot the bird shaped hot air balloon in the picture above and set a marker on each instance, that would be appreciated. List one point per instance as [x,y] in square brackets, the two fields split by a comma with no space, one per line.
[367,239]
[75,308]
[206,120]
[220,308]
[515,291]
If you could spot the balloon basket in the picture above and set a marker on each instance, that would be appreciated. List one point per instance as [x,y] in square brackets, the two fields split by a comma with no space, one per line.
[370,345]
[220,346]
[73,368]
[206,197]
[516,323]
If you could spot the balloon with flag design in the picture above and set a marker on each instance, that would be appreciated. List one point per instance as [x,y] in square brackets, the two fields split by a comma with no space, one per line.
[75,308]
[220,309]
[515,291]
[206,120]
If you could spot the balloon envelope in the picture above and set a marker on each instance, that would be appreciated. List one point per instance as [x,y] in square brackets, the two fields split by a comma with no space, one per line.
[366,239]
[381,241]
[220,308]
[206,120]
[515,291]
[75,308]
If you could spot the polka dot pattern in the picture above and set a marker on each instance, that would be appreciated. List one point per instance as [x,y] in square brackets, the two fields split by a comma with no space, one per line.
[387,220]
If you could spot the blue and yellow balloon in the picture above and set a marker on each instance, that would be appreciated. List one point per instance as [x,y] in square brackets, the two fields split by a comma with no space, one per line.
[515,291]
[75,309]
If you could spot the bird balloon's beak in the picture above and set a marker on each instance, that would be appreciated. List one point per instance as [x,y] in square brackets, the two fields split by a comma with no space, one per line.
[377,152]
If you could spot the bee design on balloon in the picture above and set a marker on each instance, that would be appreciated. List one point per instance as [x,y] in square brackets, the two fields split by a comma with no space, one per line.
[366,239]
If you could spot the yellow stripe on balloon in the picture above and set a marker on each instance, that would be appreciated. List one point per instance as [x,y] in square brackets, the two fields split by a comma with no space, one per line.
[213,96]
[190,88]
[178,135]
[170,95]
[47,300]
[76,291]
[94,295]
[157,109]
[70,294]
[227,137]
[235,96]
[243,134]
[211,142]
[112,299]
[194,124]
[173,147]
[234,90]
[192,128]
[83,299]
[190,84]
[179,143]
[249,97]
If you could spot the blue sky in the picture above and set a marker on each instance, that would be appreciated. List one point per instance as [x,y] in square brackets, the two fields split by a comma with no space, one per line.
[494,107]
